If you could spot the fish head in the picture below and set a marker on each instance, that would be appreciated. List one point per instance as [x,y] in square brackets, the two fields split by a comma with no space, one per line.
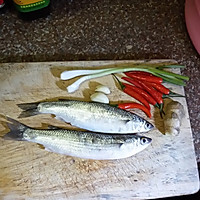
[140,126]
[141,143]
[135,144]
[146,126]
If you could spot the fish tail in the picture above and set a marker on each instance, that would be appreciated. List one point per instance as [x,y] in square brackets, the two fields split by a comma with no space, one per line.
[16,130]
[29,109]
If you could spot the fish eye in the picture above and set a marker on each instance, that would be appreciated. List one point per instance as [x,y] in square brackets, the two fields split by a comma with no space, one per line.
[149,125]
[144,140]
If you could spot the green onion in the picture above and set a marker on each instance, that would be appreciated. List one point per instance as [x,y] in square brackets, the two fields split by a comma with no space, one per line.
[96,73]
[170,79]
[171,66]
[74,86]
[158,71]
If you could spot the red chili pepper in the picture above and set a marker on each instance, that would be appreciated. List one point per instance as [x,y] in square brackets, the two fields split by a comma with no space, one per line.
[153,79]
[154,93]
[128,90]
[161,88]
[149,89]
[130,80]
[146,95]
[141,73]
[126,106]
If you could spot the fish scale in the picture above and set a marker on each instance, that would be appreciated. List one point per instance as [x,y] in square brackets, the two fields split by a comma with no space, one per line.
[92,116]
[88,145]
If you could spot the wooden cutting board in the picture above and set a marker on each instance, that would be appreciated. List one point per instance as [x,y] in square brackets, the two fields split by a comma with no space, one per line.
[166,168]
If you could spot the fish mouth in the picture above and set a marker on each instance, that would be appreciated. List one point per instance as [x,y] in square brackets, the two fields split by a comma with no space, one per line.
[149,140]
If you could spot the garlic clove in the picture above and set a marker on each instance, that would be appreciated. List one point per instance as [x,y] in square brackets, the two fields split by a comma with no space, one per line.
[102,88]
[99,97]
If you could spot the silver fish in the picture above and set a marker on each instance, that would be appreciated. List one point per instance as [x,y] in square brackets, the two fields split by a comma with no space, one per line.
[92,116]
[80,144]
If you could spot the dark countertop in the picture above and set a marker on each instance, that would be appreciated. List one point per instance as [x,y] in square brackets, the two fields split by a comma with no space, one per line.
[100,30]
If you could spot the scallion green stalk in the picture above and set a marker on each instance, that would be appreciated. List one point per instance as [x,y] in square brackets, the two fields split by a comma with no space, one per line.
[167,73]
[91,74]
[171,66]
[170,79]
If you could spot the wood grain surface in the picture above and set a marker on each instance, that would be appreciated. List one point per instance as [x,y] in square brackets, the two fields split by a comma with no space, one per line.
[166,168]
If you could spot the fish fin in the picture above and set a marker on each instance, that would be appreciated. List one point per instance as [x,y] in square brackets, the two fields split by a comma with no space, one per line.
[41,146]
[59,118]
[29,109]
[53,127]
[50,127]
[48,149]
[128,122]
[16,130]
[121,145]
[125,146]
[63,99]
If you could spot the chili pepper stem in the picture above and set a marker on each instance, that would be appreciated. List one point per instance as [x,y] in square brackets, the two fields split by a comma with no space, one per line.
[161,110]
[172,94]
[120,83]
[157,105]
